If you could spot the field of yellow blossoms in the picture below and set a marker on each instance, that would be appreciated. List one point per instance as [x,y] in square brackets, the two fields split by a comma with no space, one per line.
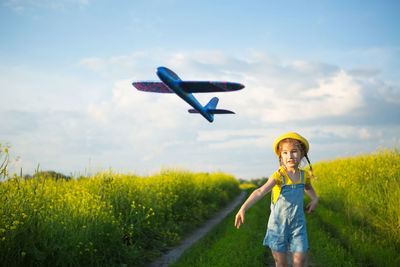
[108,219]
[359,207]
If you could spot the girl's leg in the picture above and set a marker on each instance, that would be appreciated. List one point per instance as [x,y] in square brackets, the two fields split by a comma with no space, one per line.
[280,258]
[299,259]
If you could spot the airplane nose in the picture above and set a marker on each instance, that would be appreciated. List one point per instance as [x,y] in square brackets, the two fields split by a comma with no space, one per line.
[165,72]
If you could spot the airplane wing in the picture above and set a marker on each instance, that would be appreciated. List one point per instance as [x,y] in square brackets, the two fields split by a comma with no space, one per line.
[155,87]
[213,111]
[209,87]
[189,87]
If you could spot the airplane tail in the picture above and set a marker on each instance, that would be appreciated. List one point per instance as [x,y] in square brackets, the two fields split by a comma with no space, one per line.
[211,108]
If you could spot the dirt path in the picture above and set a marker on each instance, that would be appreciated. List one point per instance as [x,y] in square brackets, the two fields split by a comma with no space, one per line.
[175,252]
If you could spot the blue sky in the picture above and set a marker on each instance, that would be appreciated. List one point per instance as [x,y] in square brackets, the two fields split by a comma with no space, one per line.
[326,69]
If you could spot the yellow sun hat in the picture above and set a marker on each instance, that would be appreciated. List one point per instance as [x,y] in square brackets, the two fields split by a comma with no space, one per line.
[291,135]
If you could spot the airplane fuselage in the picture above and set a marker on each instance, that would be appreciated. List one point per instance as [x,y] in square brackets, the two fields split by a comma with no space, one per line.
[172,81]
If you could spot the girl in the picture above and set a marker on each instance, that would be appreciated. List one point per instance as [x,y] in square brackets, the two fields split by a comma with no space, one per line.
[286,224]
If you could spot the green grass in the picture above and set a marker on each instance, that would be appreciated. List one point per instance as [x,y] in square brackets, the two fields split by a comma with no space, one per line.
[324,248]
[347,244]
[227,246]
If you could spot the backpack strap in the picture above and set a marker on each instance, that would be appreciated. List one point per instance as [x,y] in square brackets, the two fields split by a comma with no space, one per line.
[283,178]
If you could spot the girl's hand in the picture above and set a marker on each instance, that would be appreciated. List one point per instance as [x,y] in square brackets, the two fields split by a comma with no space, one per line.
[312,206]
[239,220]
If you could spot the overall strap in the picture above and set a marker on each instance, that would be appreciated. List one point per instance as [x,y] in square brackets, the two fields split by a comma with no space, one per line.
[283,178]
[284,181]
[302,176]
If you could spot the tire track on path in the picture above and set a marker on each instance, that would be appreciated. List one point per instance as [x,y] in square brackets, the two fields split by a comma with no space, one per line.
[175,252]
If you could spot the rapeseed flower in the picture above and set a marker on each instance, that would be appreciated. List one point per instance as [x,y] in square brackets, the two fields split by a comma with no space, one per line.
[109,207]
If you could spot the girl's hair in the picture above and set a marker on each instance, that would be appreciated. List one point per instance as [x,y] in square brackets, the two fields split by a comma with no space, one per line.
[302,149]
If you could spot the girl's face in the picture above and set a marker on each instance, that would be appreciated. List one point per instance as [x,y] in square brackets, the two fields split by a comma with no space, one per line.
[291,155]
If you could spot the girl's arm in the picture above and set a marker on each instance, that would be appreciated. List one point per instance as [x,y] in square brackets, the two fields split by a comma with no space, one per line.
[309,190]
[253,198]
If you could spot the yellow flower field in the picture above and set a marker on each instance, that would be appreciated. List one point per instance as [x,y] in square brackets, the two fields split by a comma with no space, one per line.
[108,219]
[359,206]
[366,187]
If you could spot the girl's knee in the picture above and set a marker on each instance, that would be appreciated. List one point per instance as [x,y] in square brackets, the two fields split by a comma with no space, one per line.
[299,259]
[280,258]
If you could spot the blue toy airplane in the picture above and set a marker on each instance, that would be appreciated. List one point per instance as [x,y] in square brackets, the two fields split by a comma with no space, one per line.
[171,83]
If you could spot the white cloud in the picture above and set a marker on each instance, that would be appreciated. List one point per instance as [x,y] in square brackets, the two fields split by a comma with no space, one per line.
[389,93]
[140,108]
[364,133]
[341,132]
[35,90]
[338,95]
[94,63]
[312,91]
[263,137]
[364,72]
[62,121]
[306,98]
[111,67]
[275,92]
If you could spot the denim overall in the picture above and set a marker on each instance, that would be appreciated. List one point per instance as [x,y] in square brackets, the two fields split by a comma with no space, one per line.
[287,224]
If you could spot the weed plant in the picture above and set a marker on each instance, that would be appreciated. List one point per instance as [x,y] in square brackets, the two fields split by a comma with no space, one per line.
[4,161]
